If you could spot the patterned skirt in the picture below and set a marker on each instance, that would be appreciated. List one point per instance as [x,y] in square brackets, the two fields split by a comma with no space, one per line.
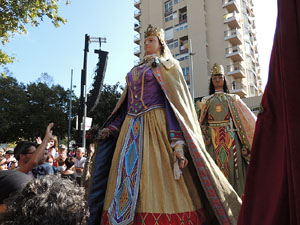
[141,187]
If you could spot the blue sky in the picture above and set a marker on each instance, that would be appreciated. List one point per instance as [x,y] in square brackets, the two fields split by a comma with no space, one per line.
[58,50]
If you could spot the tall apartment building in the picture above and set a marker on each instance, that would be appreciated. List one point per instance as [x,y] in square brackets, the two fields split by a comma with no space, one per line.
[221,31]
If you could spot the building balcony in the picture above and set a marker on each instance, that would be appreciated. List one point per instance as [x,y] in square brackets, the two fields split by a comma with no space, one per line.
[239,89]
[137,4]
[137,39]
[137,14]
[236,70]
[232,20]
[137,27]
[230,5]
[233,36]
[137,51]
[235,53]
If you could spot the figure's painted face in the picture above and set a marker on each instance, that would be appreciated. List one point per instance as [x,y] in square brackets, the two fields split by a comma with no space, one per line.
[152,45]
[218,81]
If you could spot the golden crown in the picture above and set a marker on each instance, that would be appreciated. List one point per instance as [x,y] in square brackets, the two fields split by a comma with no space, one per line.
[155,31]
[217,69]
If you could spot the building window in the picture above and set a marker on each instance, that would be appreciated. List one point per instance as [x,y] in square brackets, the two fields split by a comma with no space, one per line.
[173,44]
[169,18]
[177,1]
[168,7]
[184,45]
[182,15]
[169,33]
[181,57]
[180,27]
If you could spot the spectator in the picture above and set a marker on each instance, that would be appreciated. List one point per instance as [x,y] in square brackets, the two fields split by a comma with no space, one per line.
[49,159]
[23,153]
[45,167]
[69,172]
[79,164]
[61,165]
[3,163]
[52,146]
[2,152]
[10,159]
[47,201]
[62,155]
[12,181]
[27,154]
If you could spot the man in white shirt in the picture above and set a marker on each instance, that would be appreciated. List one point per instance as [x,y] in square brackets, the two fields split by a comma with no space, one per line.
[79,164]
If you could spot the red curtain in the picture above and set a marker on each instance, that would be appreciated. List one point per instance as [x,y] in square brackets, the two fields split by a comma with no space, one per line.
[272,193]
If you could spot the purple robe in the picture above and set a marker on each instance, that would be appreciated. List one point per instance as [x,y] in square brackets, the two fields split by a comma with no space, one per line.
[145,94]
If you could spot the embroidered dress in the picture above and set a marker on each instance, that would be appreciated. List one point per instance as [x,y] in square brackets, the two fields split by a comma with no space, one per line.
[221,126]
[141,186]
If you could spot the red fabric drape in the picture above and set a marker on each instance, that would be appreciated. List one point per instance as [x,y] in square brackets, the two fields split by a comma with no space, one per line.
[272,192]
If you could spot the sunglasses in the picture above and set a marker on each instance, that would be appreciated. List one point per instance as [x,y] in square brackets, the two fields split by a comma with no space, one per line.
[28,153]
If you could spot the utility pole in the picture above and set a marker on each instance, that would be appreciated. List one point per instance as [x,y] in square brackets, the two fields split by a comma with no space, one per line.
[70,111]
[83,92]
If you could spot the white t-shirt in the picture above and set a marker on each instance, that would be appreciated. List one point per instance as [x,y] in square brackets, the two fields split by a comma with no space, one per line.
[79,164]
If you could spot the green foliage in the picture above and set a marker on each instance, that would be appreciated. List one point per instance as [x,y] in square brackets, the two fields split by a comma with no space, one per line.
[16,14]
[108,100]
[25,111]
[12,109]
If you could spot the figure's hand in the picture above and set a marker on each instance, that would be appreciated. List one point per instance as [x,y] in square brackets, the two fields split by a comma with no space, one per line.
[183,162]
[105,133]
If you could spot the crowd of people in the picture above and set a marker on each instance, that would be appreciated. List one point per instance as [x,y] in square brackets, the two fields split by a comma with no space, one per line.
[49,174]
[57,160]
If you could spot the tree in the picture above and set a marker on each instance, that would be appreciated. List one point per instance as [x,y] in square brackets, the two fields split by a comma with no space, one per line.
[45,105]
[25,111]
[108,100]
[12,109]
[15,14]
[46,79]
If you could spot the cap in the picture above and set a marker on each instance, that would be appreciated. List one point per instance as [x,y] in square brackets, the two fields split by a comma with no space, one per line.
[10,152]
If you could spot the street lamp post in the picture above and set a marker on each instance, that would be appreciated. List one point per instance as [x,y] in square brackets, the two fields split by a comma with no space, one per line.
[191,70]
